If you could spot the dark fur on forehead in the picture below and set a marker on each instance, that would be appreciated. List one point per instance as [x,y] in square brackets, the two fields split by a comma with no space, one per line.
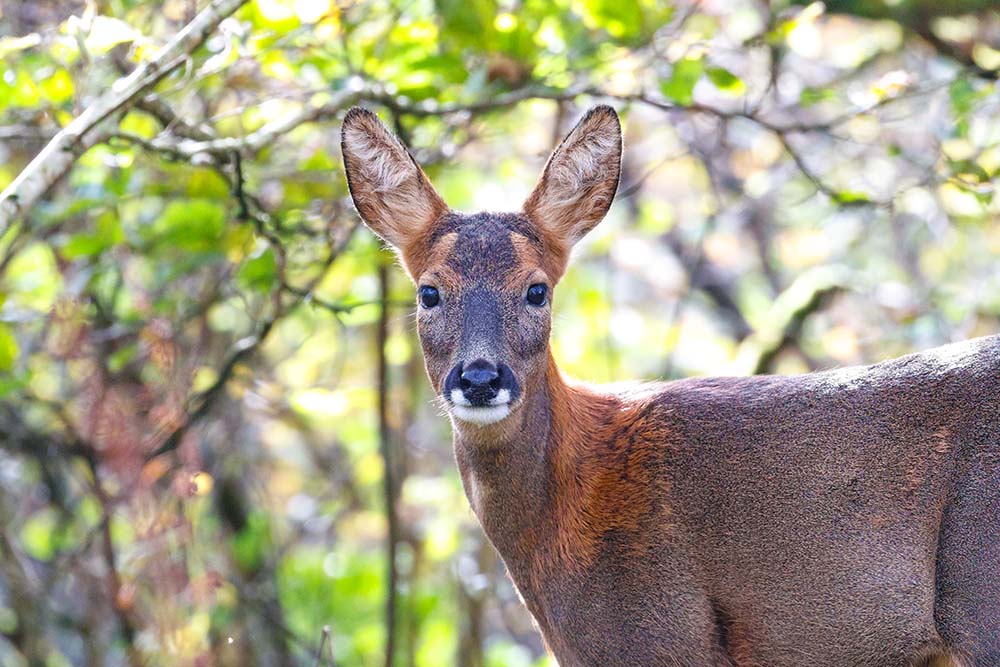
[469,226]
[484,245]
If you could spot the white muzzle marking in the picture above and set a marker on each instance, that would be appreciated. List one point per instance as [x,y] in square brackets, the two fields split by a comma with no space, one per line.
[497,409]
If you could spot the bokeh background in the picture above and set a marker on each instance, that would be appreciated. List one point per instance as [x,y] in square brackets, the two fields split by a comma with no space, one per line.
[215,430]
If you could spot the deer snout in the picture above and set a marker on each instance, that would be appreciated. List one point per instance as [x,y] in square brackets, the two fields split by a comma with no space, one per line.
[480,383]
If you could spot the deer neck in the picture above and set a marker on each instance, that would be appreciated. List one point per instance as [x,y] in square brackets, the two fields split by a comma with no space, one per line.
[514,473]
[506,469]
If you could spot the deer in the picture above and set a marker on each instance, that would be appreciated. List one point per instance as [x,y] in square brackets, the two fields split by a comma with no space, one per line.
[842,518]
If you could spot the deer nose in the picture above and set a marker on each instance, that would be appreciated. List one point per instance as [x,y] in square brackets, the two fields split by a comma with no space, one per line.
[479,382]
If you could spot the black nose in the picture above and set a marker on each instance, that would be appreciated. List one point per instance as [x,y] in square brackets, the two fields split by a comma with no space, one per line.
[479,382]
[480,373]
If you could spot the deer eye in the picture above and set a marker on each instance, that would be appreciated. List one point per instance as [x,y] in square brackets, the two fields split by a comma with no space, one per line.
[429,296]
[536,294]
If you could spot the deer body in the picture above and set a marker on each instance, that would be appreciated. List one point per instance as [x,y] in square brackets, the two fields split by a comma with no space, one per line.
[754,521]
[833,519]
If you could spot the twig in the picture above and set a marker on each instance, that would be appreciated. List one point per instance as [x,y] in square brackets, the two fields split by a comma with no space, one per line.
[242,349]
[326,641]
[26,133]
[818,182]
[114,582]
[258,139]
[805,296]
[194,143]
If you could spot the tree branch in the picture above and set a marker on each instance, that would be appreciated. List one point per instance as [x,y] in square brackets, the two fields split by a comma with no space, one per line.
[85,130]
[805,296]
[260,138]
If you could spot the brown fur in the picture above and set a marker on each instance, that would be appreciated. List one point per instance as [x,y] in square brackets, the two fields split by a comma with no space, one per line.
[938,655]
[837,519]
[601,452]
[389,188]
[577,185]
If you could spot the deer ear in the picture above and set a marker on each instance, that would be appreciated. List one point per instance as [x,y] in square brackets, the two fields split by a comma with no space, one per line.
[390,190]
[580,179]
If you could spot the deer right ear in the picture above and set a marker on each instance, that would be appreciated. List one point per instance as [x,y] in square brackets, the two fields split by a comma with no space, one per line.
[390,190]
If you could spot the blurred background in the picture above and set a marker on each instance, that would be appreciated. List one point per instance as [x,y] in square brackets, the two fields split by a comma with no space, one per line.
[215,430]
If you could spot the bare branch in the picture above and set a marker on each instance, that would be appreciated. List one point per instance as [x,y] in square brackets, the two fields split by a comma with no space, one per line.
[242,349]
[260,138]
[326,641]
[805,296]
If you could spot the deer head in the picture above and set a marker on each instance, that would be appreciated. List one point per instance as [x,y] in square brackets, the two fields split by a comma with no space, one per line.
[484,281]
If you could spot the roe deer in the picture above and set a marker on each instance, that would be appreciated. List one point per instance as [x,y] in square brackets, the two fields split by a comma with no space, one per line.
[836,519]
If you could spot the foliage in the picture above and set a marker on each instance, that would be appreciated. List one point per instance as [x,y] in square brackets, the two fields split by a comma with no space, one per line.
[190,470]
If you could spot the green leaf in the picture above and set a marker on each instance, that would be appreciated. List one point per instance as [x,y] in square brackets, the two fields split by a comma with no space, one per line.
[108,232]
[252,544]
[726,81]
[58,87]
[82,245]
[193,225]
[38,536]
[62,211]
[811,96]
[12,383]
[468,21]
[622,19]
[33,278]
[629,22]
[18,89]
[8,621]
[8,348]
[274,15]
[679,87]
[204,183]
[851,198]
[963,96]
[969,171]
[259,272]
[118,359]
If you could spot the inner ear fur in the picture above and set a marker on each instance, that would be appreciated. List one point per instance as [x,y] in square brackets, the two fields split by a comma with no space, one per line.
[390,190]
[579,181]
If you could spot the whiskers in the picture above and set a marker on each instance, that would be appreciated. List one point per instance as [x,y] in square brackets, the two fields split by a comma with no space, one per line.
[442,405]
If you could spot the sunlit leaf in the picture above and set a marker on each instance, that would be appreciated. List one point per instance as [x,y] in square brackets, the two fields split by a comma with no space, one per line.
[679,87]
[38,534]
[11,45]
[192,225]
[8,348]
[252,544]
[811,96]
[726,81]
[33,278]
[259,272]
[852,197]
[58,87]
[106,32]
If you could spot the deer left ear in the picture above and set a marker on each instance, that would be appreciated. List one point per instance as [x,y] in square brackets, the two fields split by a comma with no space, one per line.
[580,179]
